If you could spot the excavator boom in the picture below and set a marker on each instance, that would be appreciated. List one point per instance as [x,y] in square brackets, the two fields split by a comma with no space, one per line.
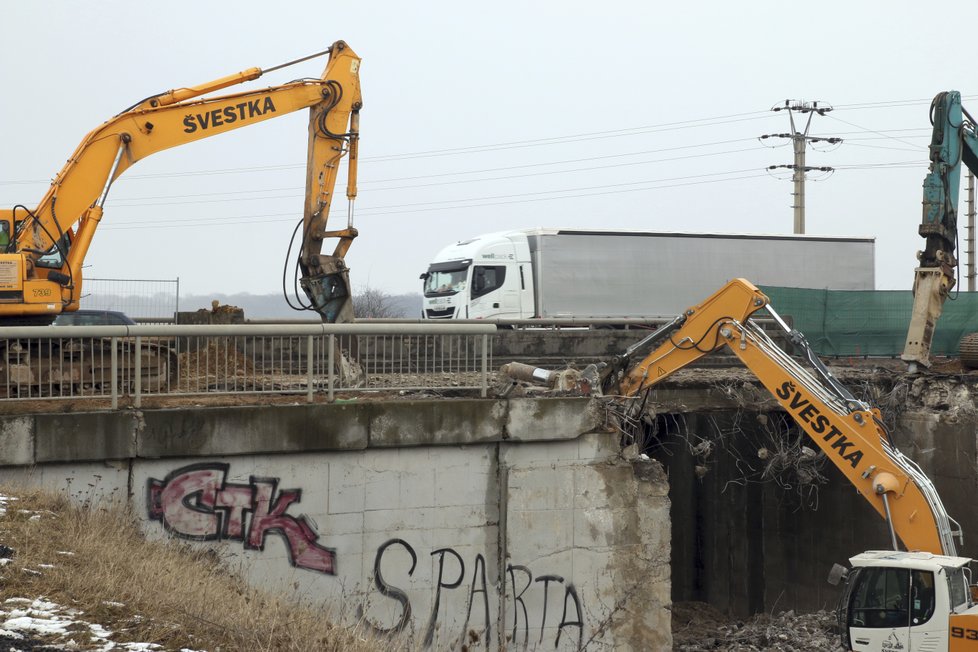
[954,143]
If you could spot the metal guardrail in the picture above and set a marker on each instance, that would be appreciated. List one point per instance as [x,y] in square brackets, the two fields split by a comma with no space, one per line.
[73,362]
[552,323]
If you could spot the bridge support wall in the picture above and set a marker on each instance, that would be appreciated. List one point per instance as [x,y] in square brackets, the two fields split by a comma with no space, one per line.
[511,523]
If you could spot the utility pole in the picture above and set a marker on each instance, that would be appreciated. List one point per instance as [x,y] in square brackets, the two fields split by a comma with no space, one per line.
[799,142]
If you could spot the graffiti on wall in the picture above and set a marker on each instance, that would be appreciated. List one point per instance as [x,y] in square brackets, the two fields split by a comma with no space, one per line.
[451,575]
[197,502]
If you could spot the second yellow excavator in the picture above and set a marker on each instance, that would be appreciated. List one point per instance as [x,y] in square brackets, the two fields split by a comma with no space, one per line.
[918,598]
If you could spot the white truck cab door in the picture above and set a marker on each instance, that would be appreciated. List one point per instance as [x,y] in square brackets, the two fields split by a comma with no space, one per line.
[495,291]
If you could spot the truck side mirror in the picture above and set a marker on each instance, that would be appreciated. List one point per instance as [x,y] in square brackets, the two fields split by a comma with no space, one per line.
[838,574]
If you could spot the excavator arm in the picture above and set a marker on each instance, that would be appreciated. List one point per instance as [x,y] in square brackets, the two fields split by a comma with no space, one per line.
[953,142]
[848,431]
[42,249]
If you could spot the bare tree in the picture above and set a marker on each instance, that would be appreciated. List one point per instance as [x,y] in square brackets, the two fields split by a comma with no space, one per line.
[371,303]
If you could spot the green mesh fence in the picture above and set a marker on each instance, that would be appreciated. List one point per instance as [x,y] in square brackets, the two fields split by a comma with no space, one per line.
[869,322]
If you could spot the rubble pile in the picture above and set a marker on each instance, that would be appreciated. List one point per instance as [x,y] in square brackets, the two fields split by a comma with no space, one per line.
[697,627]
[215,360]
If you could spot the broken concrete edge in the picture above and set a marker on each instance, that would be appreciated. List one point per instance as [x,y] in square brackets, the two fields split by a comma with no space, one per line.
[188,432]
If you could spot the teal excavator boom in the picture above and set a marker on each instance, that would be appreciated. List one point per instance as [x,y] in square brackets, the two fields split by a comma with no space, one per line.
[954,142]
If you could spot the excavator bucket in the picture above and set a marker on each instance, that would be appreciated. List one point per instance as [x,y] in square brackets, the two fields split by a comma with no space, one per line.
[329,292]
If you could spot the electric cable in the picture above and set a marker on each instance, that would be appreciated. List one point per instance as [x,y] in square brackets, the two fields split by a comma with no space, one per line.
[124,202]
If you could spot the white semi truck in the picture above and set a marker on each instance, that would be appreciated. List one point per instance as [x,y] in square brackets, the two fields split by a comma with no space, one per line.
[577,274]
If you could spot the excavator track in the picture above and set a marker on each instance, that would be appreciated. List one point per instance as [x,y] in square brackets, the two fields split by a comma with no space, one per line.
[83,367]
[969,351]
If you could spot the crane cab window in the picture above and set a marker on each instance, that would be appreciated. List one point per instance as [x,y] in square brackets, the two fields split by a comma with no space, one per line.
[486,278]
[892,597]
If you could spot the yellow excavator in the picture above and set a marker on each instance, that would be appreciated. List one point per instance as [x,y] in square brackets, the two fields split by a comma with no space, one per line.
[915,599]
[43,248]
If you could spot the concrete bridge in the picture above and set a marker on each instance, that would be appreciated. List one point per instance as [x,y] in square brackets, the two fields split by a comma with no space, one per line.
[524,522]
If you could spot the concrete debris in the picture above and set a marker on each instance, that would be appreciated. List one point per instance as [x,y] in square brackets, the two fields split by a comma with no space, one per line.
[569,381]
[217,314]
[697,627]
[943,395]
[703,448]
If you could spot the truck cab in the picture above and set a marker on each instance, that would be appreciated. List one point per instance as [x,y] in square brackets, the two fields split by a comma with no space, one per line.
[488,277]
[901,601]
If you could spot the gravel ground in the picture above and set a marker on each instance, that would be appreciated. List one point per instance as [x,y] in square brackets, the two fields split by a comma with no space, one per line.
[697,627]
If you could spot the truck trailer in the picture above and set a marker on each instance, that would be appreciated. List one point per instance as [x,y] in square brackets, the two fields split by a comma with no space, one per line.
[552,273]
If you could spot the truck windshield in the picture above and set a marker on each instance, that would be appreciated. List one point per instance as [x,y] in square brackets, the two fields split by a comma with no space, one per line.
[445,281]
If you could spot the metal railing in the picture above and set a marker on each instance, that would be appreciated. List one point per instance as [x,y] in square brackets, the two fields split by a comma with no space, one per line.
[74,362]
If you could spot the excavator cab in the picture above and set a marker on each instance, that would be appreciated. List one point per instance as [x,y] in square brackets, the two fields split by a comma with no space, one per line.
[6,229]
[12,273]
[907,601]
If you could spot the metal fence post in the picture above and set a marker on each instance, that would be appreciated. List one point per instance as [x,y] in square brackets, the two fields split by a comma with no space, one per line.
[330,377]
[485,365]
[138,380]
[309,366]
[114,372]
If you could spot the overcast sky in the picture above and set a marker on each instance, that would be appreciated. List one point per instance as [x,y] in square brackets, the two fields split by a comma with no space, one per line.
[481,117]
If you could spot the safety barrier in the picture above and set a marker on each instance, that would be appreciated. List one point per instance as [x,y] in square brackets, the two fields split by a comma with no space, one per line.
[74,362]
[870,323]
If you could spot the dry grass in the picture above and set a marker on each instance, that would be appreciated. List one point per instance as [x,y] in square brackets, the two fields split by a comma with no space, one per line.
[95,560]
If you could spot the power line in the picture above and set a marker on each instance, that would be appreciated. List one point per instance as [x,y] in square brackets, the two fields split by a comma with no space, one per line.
[873,131]
[886,104]
[548,141]
[442,174]
[892,149]
[871,166]
[666,126]
[297,197]
[455,204]
[669,126]
[580,137]
[125,202]
[569,161]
